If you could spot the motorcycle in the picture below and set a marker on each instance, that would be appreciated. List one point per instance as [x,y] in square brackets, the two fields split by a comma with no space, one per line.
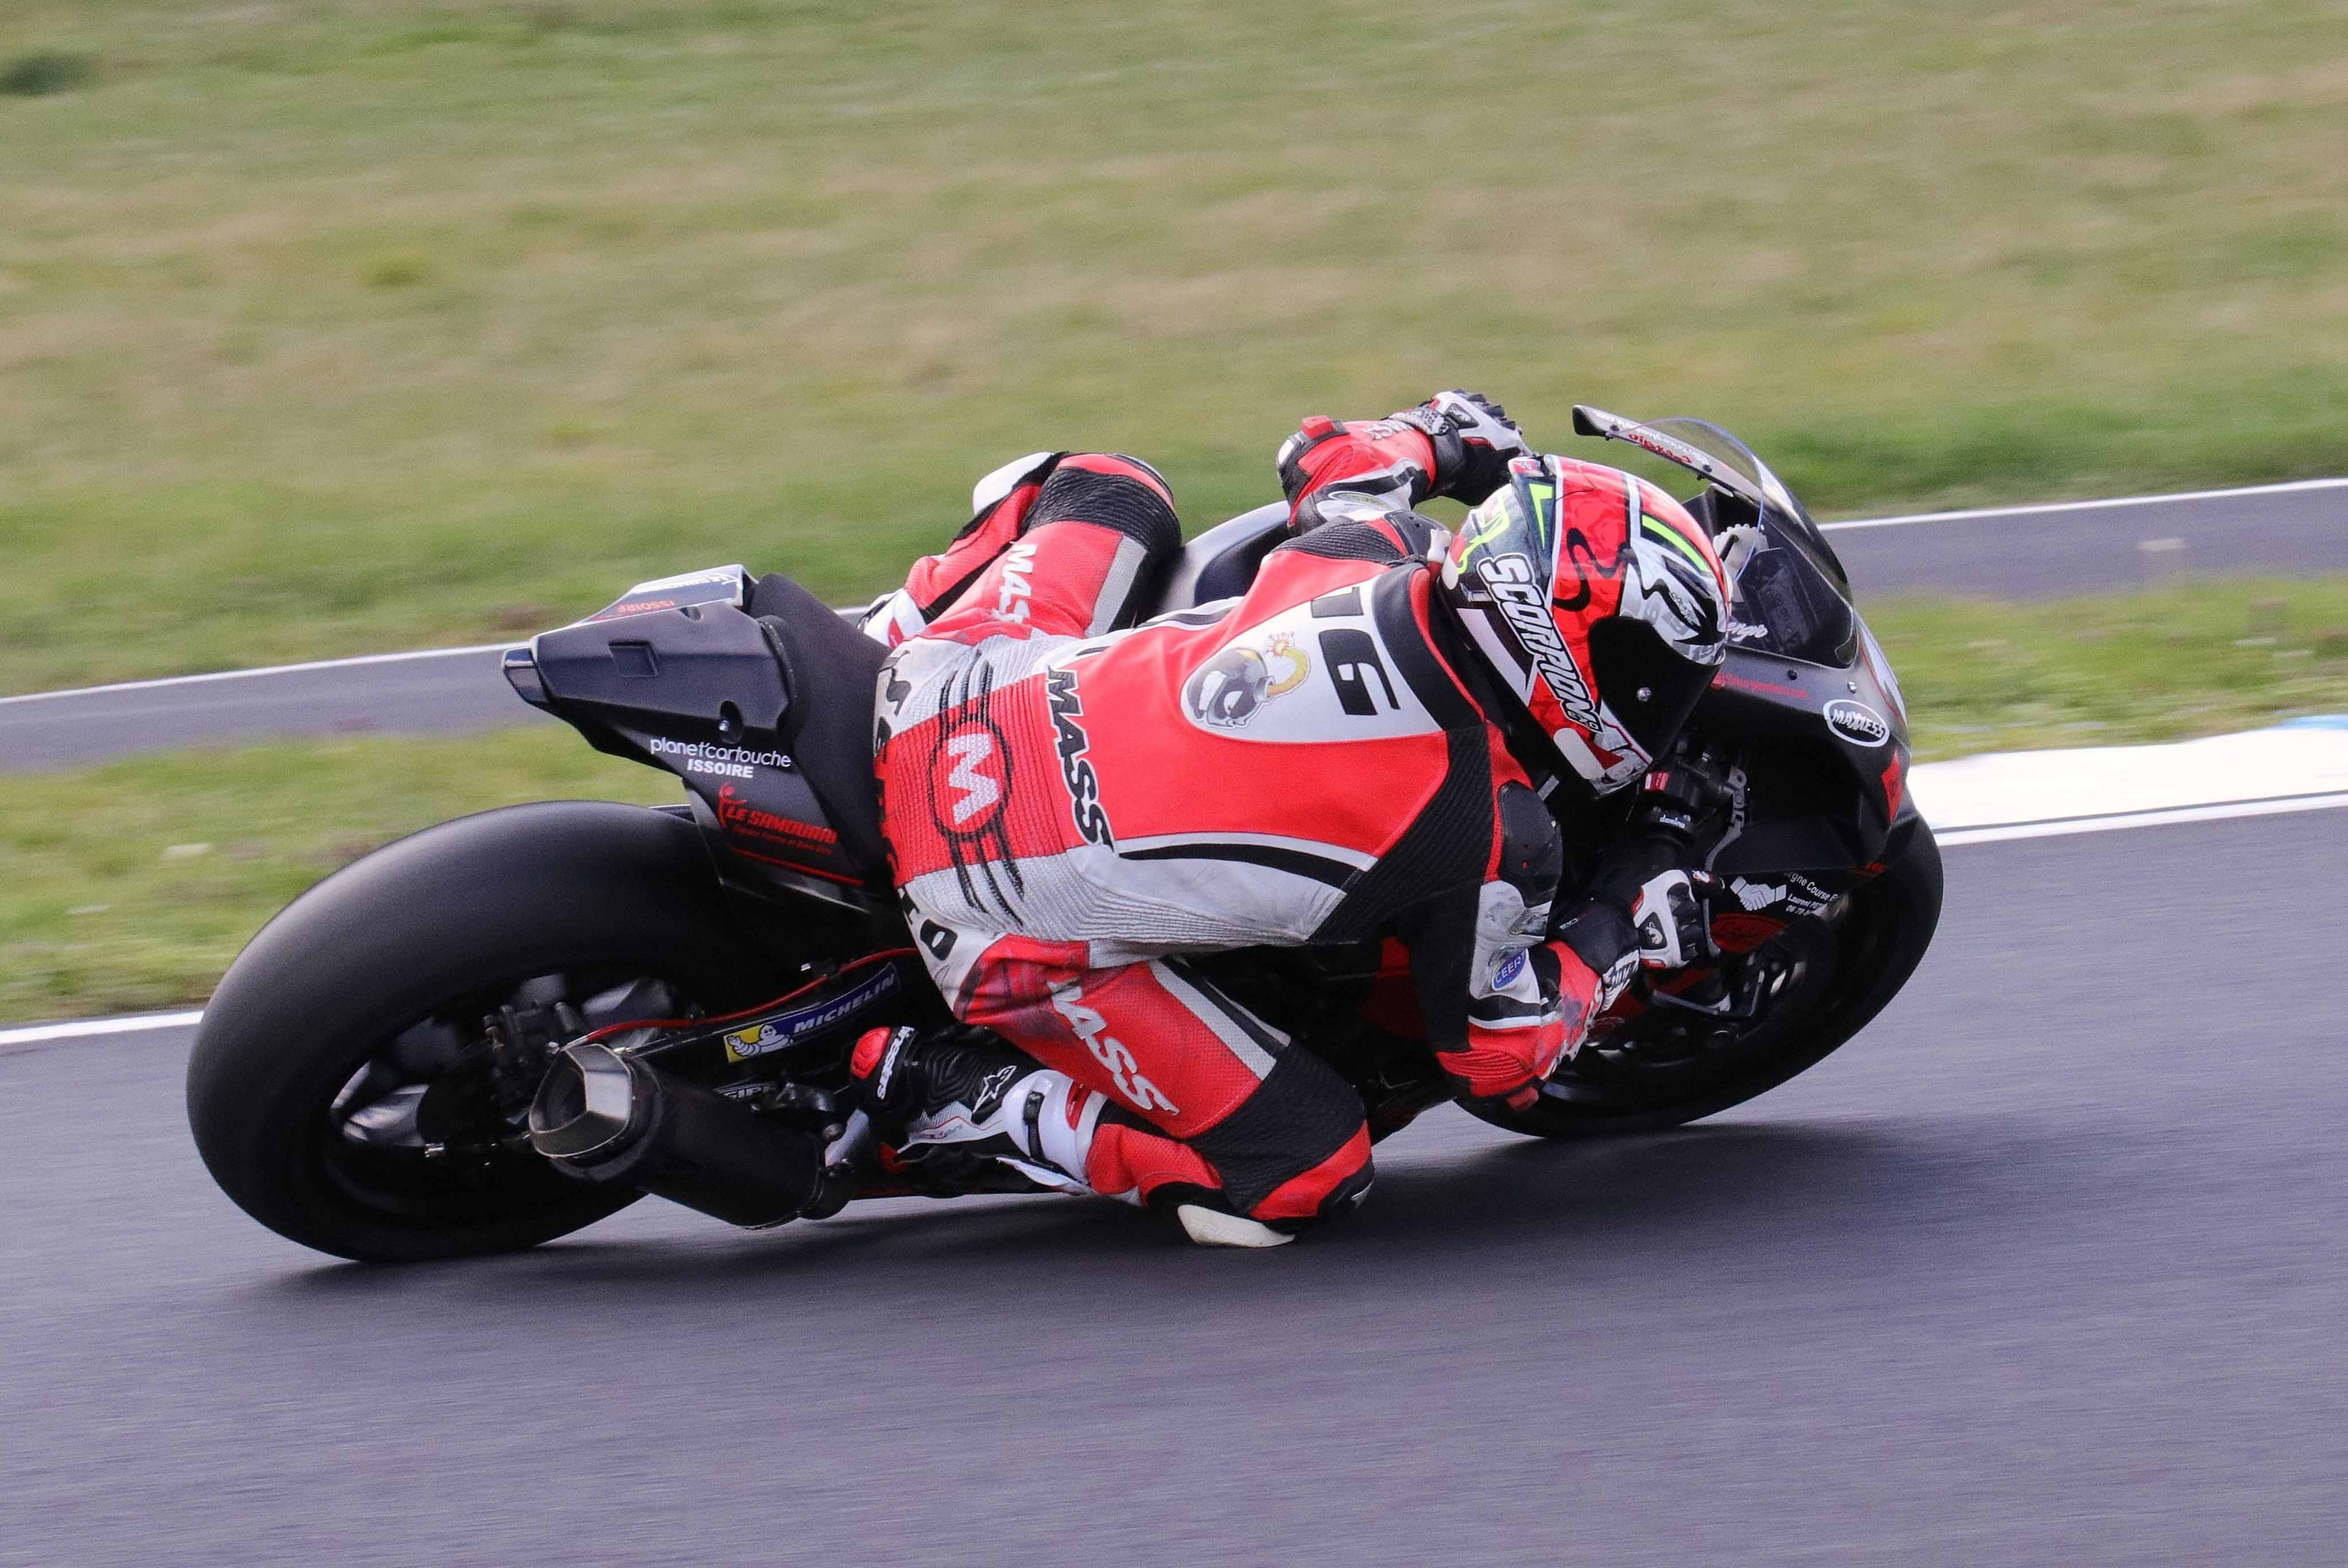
[506,1027]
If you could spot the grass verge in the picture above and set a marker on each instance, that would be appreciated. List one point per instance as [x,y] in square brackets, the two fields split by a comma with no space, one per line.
[331,326]
[2204,659]
[131,885]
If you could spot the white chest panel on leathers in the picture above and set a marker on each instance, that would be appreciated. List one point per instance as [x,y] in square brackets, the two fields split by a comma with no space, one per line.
[1303,676]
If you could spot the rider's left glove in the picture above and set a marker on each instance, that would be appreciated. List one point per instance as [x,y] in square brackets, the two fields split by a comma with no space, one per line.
[1672,917]
[1473,437]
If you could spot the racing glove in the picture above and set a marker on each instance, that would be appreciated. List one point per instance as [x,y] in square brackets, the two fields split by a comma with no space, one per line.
[1473,437]
[1456,444]
[1672,917]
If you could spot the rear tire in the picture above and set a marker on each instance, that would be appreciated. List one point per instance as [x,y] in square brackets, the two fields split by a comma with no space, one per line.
[441,925]
[1869,952]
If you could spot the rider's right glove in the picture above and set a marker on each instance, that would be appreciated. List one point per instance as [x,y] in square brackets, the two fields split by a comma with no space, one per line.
[1473,437]
[1672,917]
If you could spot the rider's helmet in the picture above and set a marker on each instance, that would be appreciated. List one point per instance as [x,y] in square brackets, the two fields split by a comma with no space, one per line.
[1601,605]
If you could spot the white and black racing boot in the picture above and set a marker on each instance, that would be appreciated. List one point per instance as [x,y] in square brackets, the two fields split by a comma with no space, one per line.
[947,1100]
[951,1101]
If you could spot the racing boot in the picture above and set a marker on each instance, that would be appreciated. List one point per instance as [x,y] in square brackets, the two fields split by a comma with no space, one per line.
[952,1098]
[947,1100]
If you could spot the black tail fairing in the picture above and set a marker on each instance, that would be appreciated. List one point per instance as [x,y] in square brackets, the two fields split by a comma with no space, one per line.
[762,706]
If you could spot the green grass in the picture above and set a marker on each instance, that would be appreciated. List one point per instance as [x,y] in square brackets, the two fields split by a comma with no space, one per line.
[2200,659]
[131,885]
[103,909]
[327,327]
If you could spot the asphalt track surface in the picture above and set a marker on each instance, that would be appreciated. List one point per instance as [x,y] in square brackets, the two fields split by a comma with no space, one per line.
[2024,553]
[2046,1267]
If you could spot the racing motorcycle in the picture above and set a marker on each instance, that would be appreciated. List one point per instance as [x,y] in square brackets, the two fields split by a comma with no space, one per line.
[506,1027]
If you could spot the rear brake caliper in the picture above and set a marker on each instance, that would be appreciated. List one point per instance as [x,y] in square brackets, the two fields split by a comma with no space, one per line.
[482,1100]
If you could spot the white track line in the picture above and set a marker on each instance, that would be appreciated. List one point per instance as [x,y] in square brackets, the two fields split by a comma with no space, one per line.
[148,1024]
[143,1023]
[1997,832]
[2044,508]
[476,649]
[1902,522]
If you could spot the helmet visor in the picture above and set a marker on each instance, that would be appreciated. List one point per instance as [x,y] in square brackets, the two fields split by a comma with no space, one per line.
[1649,688]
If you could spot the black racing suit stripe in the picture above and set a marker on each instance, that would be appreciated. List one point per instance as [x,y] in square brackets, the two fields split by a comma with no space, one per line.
[1446,848]
[1405,640]
[1111,501]
[1301,1113]
[1274,857]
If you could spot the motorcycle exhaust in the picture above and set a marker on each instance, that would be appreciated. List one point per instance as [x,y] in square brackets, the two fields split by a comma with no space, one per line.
[604,1117]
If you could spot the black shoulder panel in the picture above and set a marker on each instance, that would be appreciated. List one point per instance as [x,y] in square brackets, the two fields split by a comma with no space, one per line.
[1399,630]
[1344,539]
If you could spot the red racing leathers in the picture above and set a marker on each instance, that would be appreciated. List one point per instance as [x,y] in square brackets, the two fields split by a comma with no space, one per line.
[1072,806]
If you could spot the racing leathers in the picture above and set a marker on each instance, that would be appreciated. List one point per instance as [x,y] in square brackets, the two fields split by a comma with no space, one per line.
[1074,804]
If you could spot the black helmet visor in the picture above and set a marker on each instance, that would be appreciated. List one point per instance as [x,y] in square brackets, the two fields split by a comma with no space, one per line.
[1650,687]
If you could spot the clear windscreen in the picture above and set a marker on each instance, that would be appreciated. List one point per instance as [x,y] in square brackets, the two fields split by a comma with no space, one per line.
[1785,604]
[1792,596]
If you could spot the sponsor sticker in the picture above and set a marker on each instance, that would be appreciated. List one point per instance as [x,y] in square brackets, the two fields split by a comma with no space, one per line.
[718,585]
[708,757]
[1794,892]
[738,816]
[1072,742]
[1857,722]
[788,1028]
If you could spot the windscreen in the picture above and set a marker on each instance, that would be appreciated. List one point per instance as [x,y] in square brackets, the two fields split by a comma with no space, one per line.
[1782,505]
[1792,594]
[1785,604]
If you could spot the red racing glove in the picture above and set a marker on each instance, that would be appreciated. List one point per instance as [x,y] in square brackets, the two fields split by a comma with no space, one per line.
[1456,444]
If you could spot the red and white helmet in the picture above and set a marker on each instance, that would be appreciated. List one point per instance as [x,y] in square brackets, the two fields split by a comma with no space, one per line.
[1599,602]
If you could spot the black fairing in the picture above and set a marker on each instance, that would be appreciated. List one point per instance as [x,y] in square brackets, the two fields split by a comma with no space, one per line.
[706,692]
[1825,751]
[1824,744]
[831,732]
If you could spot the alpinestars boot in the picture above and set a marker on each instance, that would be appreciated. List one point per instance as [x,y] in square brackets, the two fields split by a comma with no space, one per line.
[948,1100]
[943,1097]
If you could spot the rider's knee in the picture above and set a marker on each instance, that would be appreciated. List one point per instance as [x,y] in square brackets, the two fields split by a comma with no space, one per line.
[1327,1191]
[1112,491]
[1294,1151]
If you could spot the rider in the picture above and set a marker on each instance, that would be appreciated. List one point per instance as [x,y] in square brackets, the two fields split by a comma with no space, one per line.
[1359,747]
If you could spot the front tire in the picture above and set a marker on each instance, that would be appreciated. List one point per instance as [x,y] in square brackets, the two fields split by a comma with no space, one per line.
[420,938]
[1850,967]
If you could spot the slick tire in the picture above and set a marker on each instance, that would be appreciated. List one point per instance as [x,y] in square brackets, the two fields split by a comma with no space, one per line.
[1877,944]
[423,928]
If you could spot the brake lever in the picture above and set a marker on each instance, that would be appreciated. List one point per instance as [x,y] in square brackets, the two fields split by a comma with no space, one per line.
[1741,1005]
[1726,1008]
